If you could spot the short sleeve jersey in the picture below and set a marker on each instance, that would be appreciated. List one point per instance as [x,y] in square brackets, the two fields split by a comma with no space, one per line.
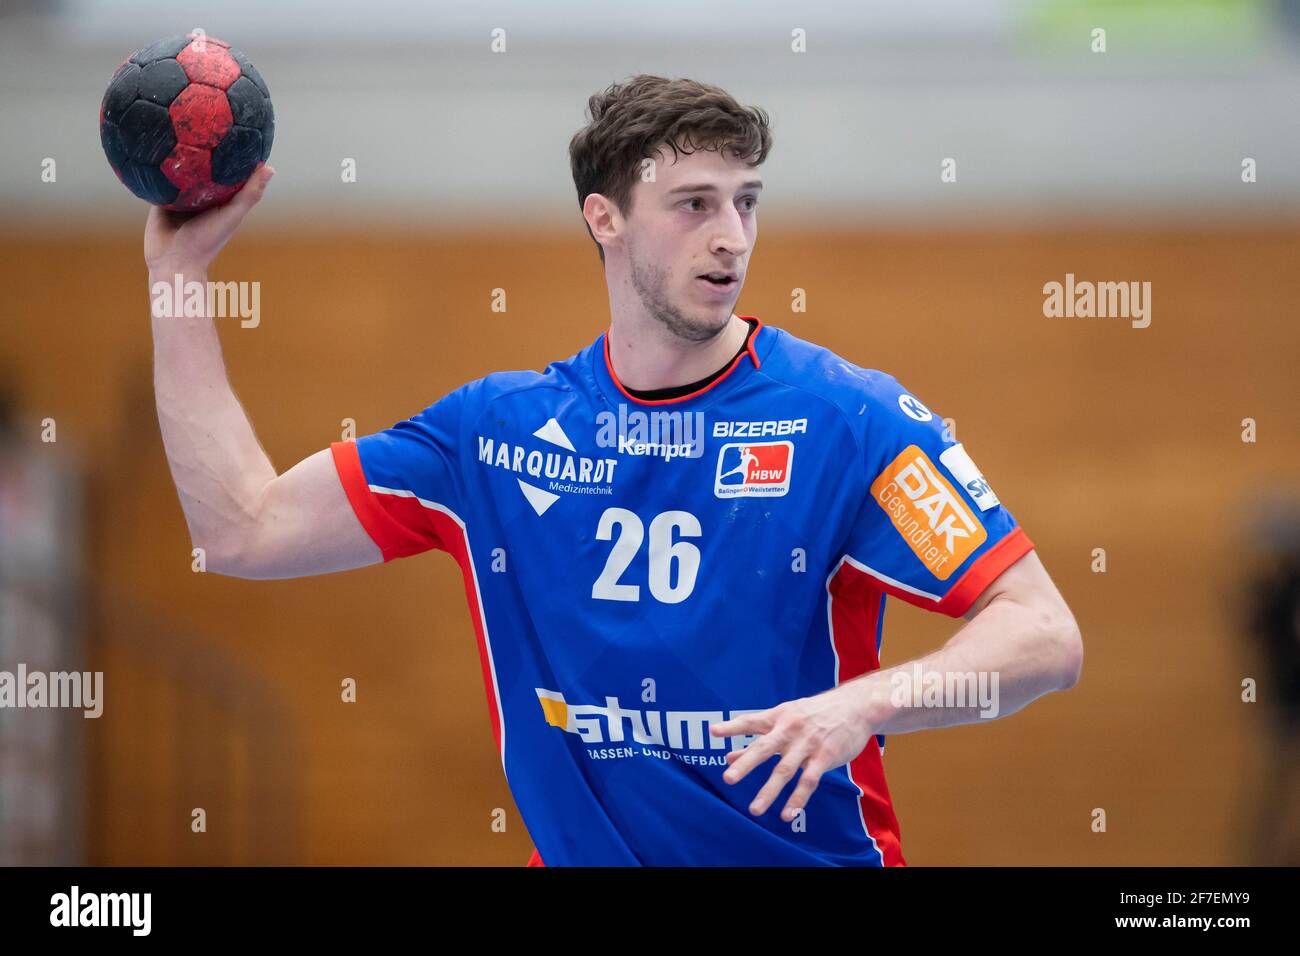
[639,570]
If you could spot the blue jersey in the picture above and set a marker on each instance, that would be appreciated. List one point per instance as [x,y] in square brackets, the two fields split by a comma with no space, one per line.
[637,571]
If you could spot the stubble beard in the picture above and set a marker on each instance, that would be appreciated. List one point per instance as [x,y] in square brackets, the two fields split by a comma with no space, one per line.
[649,281]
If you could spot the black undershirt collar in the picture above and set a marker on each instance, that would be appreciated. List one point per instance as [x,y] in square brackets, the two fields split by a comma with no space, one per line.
[677,391]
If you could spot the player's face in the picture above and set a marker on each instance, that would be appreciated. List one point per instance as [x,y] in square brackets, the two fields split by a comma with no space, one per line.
[697,217]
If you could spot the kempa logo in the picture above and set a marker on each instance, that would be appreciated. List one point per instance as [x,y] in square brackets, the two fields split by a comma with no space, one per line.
[568,473]
[913,408]
[675,730]
[216,300]
[1124,300]
[665,435]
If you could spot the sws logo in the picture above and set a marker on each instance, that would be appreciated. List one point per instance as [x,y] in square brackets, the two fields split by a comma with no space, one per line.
[754,468]
[960,466]
[927,512]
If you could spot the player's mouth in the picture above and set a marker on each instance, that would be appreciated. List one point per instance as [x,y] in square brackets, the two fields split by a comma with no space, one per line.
[719,283]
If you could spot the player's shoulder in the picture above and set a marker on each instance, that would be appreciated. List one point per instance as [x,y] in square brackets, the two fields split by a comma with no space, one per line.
[866,396]
[551,383]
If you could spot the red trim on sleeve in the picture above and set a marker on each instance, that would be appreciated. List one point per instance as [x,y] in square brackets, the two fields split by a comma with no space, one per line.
[394,539]
[970,585]
[984,572]
[535,859]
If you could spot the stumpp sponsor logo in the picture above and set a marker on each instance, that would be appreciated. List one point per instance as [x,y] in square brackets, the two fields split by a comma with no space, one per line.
[675,731]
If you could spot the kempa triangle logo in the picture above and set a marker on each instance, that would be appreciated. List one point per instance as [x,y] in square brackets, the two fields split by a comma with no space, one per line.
[554,473]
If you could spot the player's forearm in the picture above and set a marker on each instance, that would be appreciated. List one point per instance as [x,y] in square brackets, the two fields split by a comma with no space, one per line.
[216,461]
[1008,656]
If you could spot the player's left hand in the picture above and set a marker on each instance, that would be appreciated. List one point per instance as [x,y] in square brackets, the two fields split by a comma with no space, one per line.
[816,733]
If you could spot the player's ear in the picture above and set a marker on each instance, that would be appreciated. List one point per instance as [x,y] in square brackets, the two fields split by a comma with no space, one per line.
[603,217]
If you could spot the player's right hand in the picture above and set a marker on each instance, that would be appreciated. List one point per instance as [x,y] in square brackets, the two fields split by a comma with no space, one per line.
[188,242]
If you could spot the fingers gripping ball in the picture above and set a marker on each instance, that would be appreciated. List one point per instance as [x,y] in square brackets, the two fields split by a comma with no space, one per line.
[186,121]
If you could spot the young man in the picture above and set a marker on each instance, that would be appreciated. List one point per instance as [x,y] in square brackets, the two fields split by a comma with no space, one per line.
[676,544]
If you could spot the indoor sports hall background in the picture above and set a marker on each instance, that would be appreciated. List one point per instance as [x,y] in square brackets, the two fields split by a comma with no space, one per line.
[935,165]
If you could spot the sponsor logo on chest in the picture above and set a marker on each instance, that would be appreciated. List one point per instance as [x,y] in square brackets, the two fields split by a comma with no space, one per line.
[785,426]
[552,471]
[754,468]
[655,434]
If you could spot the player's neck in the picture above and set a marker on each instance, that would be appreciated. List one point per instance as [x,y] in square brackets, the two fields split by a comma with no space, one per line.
[652,358]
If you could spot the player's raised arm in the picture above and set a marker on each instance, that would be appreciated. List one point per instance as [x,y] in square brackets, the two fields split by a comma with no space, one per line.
[249,522]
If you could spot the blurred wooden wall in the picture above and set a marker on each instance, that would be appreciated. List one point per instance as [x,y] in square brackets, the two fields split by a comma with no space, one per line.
[224,694]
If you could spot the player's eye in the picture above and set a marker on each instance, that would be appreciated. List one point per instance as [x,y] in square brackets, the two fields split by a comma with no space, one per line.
[752,201]
[695,199]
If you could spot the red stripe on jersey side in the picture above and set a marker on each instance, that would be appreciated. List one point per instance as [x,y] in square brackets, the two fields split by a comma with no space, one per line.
[454,535]
[535,860]
[398,524]
[854,612]
[970,585]
[749,350]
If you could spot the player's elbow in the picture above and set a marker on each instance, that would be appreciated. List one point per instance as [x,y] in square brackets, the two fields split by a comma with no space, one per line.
[229,558]
[238,548]
[1068,643]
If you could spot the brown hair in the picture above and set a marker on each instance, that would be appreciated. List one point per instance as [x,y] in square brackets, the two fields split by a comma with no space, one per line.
[630,121]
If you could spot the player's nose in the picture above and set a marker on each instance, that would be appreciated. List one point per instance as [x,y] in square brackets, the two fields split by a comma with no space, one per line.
[729,238]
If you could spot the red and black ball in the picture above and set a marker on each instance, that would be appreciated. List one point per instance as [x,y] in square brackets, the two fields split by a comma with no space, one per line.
[186,121]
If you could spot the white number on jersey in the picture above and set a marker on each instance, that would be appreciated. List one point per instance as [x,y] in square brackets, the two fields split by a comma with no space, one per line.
[663,551]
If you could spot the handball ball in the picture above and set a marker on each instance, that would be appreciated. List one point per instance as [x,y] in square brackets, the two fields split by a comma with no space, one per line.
[186,121]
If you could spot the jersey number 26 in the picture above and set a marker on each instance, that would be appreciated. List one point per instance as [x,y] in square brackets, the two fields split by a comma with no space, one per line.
[663,551]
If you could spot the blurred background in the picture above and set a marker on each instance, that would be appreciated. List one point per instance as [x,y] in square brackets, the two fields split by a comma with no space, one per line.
[1173,157]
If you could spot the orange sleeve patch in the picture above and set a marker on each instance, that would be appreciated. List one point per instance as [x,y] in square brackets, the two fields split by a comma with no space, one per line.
[927,511]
